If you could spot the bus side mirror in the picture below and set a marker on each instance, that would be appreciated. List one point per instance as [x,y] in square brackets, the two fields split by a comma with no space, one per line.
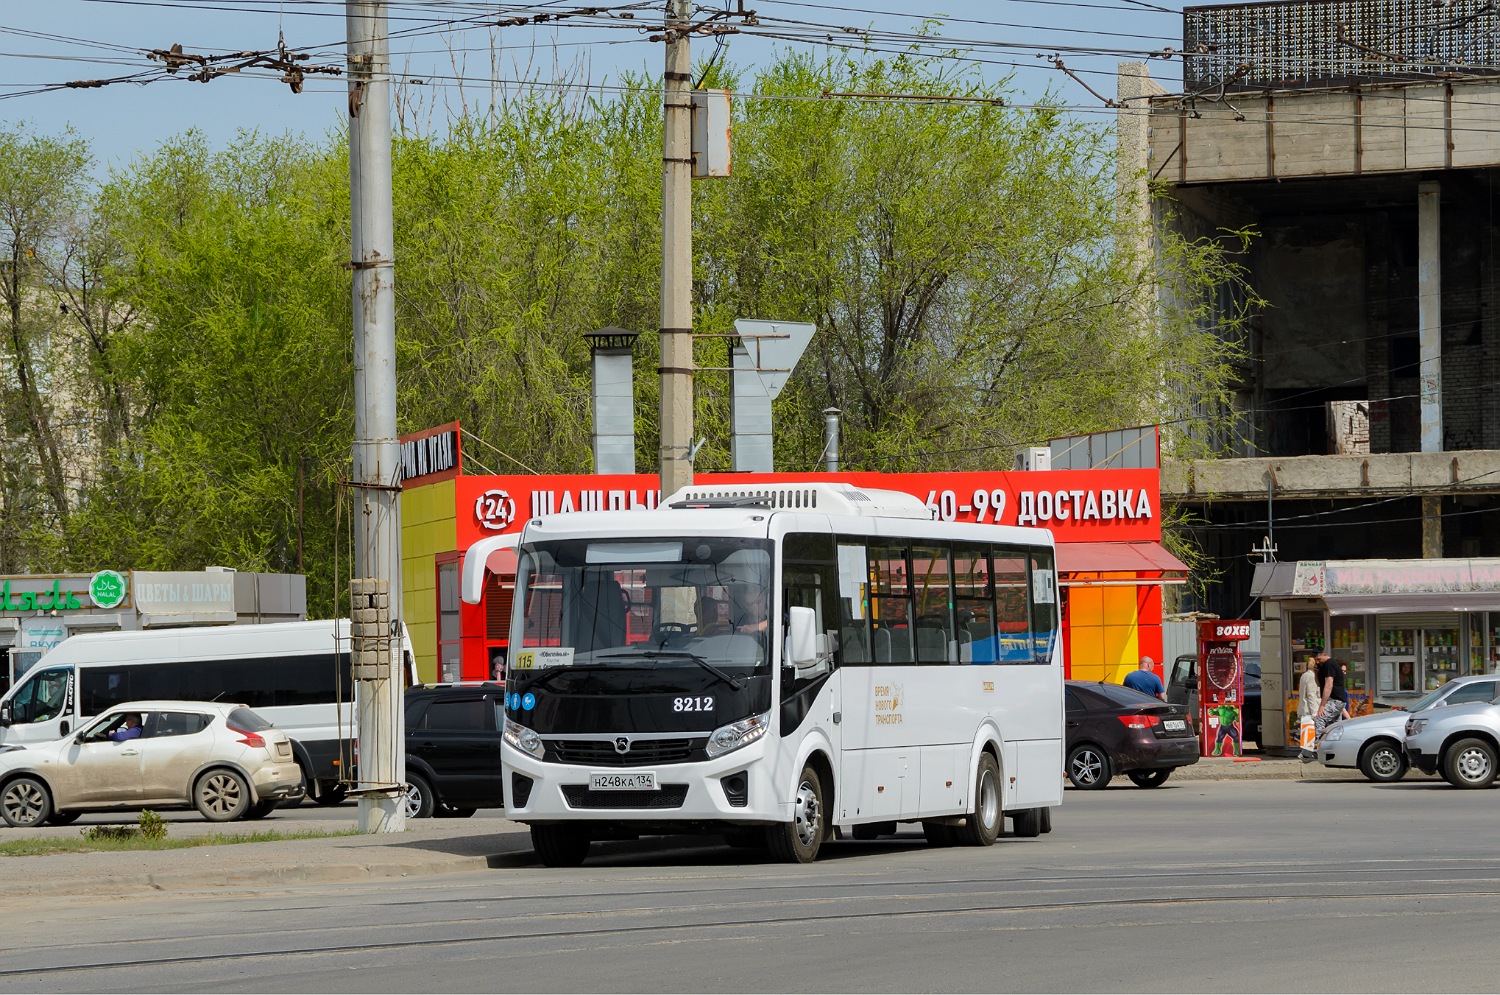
[802,638]
[5,718]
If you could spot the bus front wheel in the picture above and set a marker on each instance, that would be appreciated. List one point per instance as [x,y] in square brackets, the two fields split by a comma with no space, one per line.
[798,841]
[982,827]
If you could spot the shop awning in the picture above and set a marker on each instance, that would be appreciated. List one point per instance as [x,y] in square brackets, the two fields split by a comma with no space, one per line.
[1148,561]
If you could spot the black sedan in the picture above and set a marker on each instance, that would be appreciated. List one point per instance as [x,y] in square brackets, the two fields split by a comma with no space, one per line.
[1114,730]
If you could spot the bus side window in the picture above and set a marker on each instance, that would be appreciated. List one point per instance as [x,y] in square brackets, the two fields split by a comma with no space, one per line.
[854,603]
[1043,606]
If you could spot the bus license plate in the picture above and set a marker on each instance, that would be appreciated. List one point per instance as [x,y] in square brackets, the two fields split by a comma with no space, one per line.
[1174,725]
[643,780]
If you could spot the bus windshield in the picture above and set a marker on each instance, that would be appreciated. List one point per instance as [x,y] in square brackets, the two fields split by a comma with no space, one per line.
[698,606]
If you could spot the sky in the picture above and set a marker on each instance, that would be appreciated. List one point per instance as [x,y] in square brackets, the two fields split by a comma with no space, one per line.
[451,45]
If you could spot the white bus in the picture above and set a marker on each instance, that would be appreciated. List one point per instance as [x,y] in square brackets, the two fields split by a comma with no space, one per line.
[295,674]
[777,664]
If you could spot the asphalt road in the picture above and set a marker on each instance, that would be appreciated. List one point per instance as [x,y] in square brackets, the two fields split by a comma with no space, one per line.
[1207,886]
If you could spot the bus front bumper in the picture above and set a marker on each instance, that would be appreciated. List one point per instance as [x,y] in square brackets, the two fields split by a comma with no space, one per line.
[735,789]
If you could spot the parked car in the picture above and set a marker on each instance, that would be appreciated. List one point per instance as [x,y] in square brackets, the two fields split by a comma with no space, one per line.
[1182,689]
[1460,742]
[1374,743]
[453,748]
[1113,730]
[222,759]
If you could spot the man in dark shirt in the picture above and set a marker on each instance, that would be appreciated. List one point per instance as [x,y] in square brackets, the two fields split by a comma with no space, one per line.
[1333,698]
[1144,679]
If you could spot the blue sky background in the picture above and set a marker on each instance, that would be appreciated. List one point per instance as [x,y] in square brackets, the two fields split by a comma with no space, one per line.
[43,44]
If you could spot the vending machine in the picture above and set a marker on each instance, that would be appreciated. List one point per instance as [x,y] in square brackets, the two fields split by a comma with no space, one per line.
[1221,686]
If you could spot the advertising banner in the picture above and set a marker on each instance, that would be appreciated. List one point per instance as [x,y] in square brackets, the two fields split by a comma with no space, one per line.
[1077,505]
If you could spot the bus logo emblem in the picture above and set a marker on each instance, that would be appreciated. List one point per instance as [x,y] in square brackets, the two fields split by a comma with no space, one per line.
[622,744]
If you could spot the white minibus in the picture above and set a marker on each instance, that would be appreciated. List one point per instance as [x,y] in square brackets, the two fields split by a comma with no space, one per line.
[778,664]
[295,674]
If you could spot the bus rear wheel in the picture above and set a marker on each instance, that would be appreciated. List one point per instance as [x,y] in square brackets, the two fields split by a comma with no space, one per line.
[560,846]
[798,841]
[982,827]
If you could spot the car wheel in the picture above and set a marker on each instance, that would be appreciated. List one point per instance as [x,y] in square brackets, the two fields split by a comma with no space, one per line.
[1470,763]
[63,818]
[1150,778]
[221,796]
[25,802]
[261,809]
[1028,822]
[1383,762]
[1088,767]
[983,825]
[938,833]
[798,841]
[419,800]
[461,812]
[560,846]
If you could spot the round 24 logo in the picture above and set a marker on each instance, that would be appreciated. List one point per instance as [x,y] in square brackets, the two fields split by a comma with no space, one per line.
[495,510]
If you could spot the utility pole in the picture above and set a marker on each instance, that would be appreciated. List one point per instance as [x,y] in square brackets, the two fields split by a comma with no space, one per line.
[375,591]
[675,451]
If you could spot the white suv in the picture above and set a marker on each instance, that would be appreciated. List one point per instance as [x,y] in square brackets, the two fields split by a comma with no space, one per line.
[224,760]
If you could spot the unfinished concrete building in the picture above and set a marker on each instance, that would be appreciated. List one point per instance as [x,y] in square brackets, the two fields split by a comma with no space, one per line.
[1360,139]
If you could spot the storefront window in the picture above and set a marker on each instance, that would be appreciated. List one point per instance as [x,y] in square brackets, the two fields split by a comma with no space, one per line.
[1494,640]
[1348,637]
[1439,656]
[1396,665]
[1307,635]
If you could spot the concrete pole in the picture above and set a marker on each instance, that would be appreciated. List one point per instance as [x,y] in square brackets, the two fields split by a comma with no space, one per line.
[377,454]
[1430,342]
[677,256]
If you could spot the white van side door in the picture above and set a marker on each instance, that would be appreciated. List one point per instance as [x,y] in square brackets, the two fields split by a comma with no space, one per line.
[40,708]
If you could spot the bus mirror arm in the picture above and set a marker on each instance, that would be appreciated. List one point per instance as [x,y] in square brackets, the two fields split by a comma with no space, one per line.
[475,565]
[802,638]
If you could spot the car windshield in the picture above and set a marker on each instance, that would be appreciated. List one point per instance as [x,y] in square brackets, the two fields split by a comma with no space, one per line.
[683,604]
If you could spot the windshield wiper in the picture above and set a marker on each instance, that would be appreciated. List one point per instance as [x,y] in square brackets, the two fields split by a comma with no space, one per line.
[551,672]
[738,683]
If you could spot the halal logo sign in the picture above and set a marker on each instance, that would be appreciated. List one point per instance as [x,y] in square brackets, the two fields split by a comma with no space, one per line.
[107,589]
[495,510]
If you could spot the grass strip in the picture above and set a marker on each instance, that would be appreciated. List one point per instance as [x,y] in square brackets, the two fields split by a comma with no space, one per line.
[63,844]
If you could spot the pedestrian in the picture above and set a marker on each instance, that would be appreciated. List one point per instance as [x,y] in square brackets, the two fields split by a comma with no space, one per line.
[1144,679]
[1307,703]
[1333,698]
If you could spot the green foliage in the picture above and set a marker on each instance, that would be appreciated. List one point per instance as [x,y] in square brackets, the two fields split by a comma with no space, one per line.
[975,283]
[153,827]
[101,834]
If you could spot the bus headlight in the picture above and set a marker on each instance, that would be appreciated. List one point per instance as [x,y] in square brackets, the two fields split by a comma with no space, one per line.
[727,739]
[524,739]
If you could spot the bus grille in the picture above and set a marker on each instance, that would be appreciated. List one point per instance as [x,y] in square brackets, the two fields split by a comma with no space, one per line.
[669,796]
[602,753]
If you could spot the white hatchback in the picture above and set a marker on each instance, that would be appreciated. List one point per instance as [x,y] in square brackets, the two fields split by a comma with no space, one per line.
[222,759]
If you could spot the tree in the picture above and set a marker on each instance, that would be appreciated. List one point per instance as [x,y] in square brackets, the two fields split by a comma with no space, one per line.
[43,185]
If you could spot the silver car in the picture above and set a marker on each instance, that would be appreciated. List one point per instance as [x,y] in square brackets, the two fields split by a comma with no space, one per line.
[1373,743]
[1461,743]
[224,760]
